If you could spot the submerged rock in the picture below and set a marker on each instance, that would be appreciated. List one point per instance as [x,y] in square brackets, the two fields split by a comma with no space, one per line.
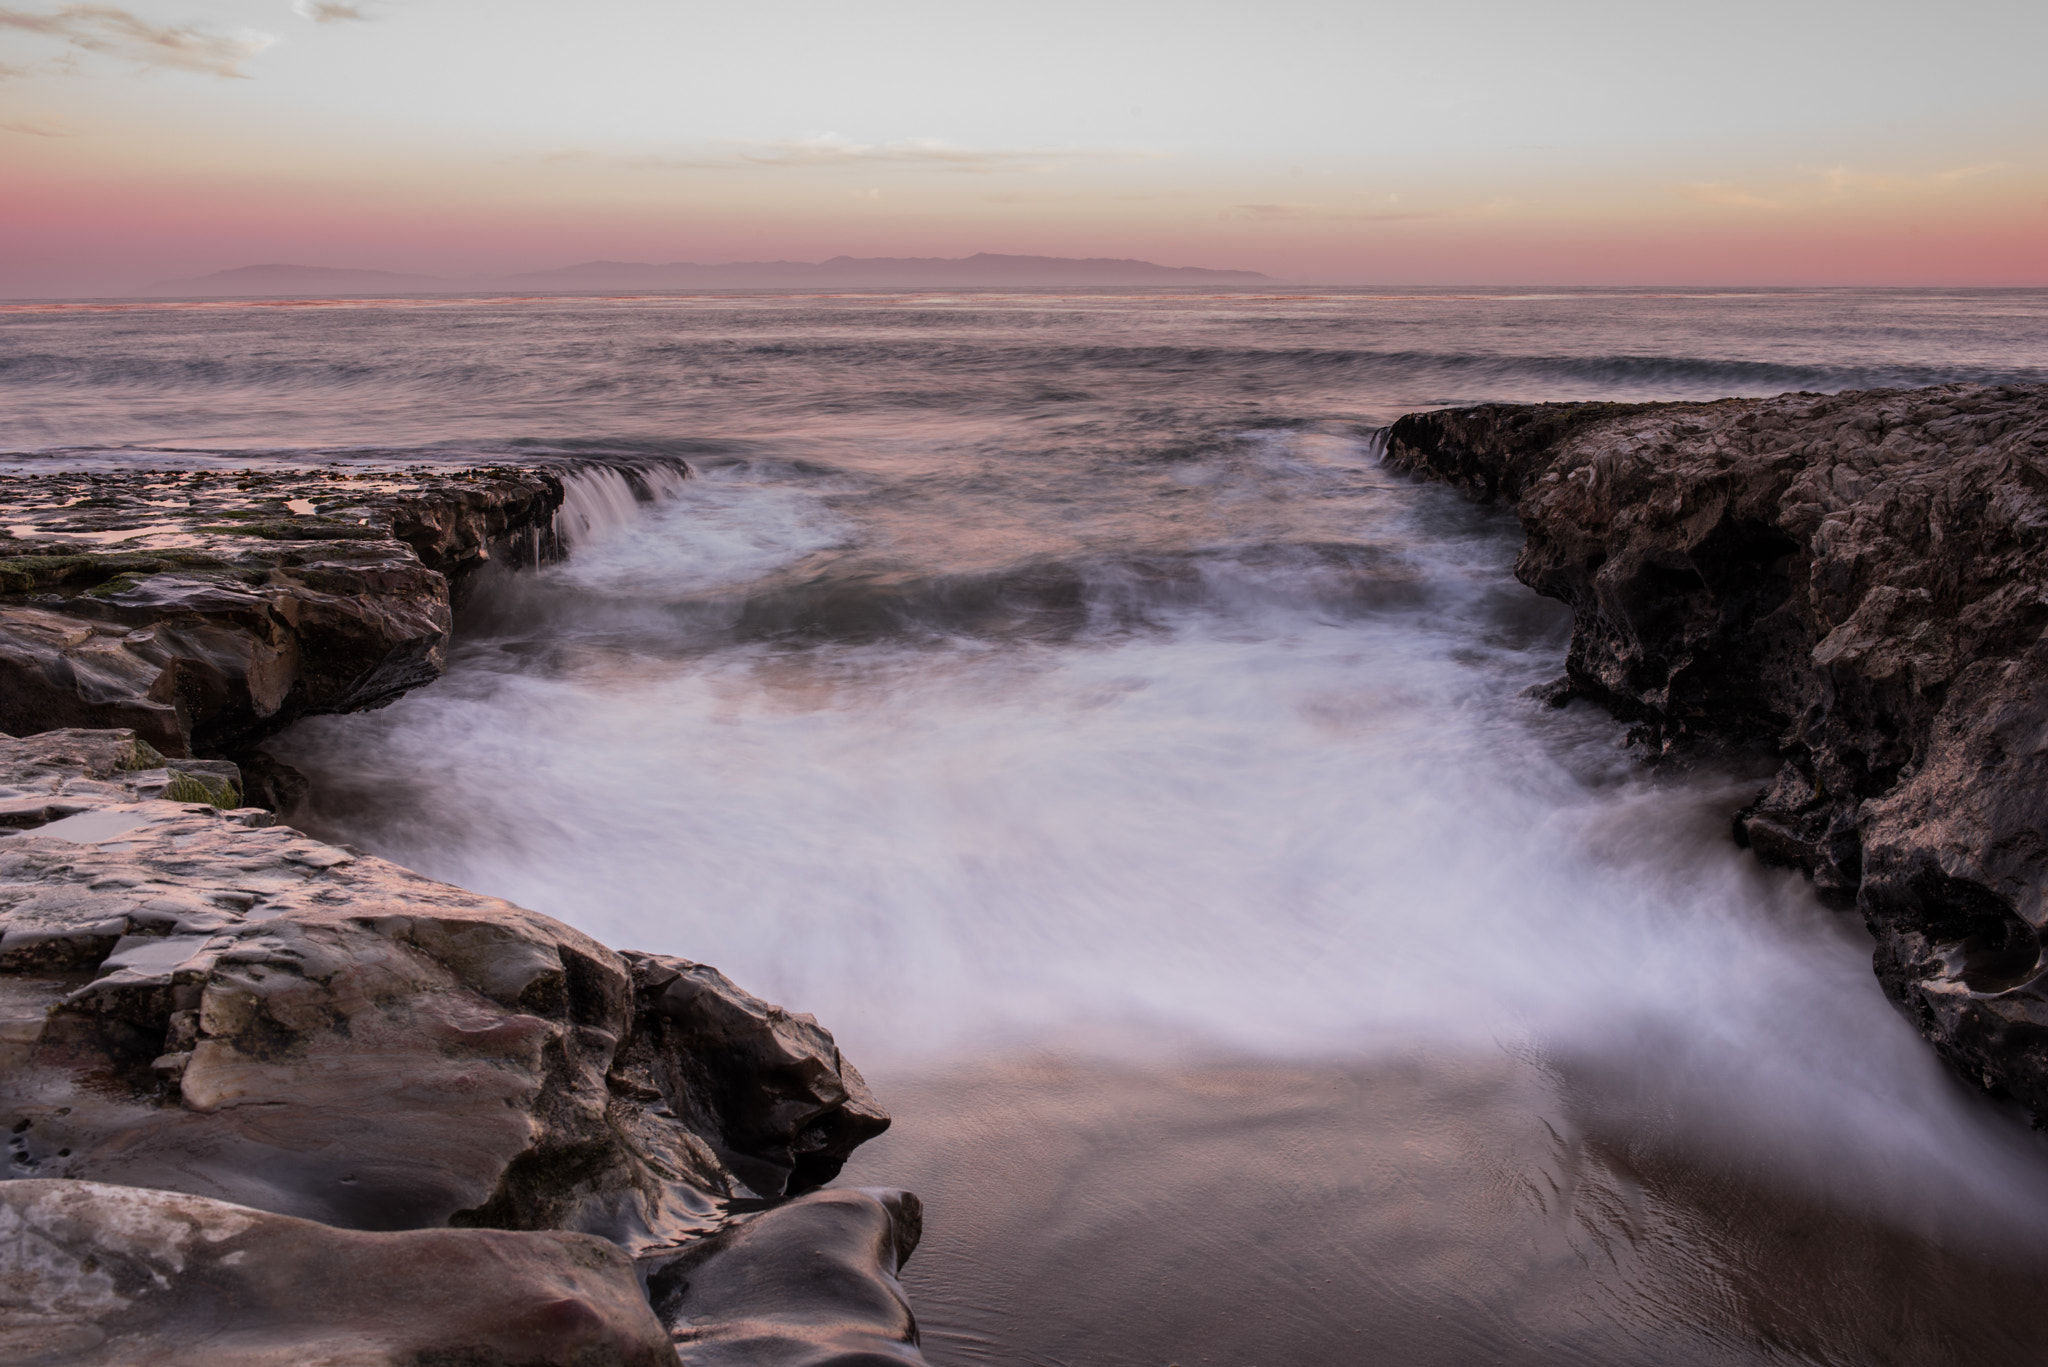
[196,1000]
[1857,582]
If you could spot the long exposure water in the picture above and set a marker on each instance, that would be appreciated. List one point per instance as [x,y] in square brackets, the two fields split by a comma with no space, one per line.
[1055,696]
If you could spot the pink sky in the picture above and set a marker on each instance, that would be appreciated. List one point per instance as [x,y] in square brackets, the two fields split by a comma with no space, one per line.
[451,138]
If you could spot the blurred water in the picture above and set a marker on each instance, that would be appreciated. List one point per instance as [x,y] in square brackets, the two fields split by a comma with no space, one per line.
[1038,683]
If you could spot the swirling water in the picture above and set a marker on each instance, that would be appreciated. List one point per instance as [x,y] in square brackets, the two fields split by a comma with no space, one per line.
[1054,695]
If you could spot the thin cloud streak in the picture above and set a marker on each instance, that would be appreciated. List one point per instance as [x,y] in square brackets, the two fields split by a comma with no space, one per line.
[330,12]
[1825,185]
[42,126]
[827,151]
[1718,192]
[1965,172]
[113,32]
[1302,213]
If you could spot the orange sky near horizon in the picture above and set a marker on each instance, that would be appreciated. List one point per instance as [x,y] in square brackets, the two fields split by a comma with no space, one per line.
[192,139]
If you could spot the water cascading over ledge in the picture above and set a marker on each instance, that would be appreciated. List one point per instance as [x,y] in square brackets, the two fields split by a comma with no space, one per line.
[272,1098]
[272,594]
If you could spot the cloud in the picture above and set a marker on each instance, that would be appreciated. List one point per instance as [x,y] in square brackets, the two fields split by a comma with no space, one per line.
[114,32]
[42,126]
[1297,213]
[329,11]
[1719,192]
[1836,180]
[1272,213]
[1824,184]
[828,150]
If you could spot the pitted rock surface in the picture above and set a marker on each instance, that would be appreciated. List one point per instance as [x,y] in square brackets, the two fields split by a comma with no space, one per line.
[1857,581]
[209,609]
[196,1000]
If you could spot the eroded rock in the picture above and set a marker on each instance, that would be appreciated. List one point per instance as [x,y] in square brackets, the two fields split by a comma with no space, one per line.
[208,610]
[194,1000]
[812,1281]
[97,1274]
[1858,582]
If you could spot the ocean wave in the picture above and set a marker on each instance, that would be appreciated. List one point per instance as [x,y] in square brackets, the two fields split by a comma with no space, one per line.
[917,367]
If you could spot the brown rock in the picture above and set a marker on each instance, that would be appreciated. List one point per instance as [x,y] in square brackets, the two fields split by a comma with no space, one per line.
[1858,582]
[197,1001]
[812,1281]
[211,626]
[97,1275]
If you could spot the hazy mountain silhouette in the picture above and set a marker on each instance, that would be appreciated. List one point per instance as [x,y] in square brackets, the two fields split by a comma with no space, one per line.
[983,268]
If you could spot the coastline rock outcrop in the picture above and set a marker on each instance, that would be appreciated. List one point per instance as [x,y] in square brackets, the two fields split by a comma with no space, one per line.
[312,1046]
[207,610]
[1857,582]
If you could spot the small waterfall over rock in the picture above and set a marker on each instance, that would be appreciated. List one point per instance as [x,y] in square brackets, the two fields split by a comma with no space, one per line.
[598,499]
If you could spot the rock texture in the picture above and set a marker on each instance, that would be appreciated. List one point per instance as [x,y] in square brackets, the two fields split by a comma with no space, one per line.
[810,1281]
[196,1000]
[1858,582]
[207,610]
[112,1274]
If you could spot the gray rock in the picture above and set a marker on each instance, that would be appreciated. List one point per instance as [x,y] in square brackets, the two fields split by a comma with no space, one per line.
[1858,583]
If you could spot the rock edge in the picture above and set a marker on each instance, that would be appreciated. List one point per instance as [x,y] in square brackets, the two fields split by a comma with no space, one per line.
[1857,583]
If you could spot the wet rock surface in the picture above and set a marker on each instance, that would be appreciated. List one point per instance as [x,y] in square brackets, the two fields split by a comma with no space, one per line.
[1856,582]
[117,1274]
[813,1280]
[208,609]
[196,1000]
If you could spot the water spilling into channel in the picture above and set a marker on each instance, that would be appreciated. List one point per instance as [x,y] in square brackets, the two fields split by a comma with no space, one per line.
[1058,699]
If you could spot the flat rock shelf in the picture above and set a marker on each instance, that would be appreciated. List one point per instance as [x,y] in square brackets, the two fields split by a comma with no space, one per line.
[1856,583]
[207,609]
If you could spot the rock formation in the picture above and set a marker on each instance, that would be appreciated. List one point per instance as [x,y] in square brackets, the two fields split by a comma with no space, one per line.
[316,1050]
[1858,582]
[115,1274]
[207,610]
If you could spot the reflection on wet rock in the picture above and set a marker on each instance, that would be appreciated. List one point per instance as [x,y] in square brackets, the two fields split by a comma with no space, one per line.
[199,1001]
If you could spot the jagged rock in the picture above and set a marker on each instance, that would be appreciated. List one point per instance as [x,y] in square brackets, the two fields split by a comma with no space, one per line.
[115,1276]
[1859,582]
[769,1089]
[193,1000]
[208,612]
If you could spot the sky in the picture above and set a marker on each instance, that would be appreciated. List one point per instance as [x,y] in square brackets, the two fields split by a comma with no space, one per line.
[1463,142]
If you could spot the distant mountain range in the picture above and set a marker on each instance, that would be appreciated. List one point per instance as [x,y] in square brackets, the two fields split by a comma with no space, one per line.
[985,269]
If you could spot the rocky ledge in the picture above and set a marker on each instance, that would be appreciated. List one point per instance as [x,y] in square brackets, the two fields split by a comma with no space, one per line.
[270,1100]
[1856,582]
[207,609]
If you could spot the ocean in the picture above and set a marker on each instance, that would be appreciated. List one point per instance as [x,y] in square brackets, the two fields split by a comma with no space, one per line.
[1054,695]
